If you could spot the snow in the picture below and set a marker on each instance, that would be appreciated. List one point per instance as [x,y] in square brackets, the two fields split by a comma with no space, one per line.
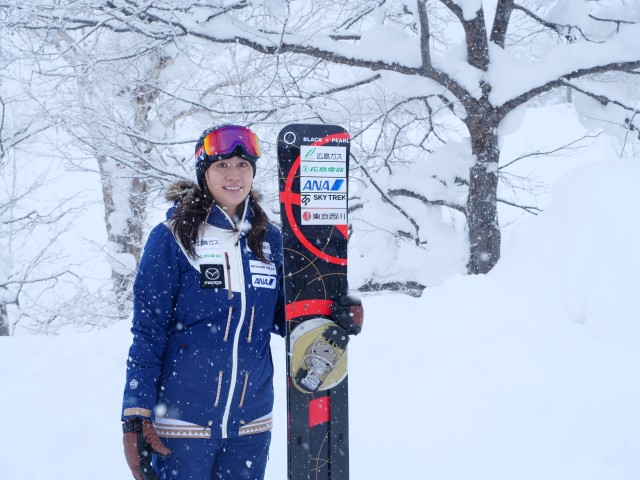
[389,39]
[527,372]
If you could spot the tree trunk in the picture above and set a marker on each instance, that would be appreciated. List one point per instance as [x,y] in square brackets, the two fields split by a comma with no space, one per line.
[4,321]
[124,201]
[482,210]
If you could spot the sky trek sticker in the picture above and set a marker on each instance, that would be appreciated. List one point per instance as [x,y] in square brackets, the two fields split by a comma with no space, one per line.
[211,276]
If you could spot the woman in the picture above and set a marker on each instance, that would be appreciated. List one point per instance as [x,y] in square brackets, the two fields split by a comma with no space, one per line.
[207,296]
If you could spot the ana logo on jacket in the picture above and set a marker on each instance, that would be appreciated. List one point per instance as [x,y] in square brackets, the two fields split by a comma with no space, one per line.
[264,281]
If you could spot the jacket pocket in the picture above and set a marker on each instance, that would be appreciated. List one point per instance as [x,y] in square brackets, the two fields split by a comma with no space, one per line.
[170,361]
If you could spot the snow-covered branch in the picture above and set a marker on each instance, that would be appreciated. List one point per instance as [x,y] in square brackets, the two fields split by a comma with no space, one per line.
[425,90]
[563,81]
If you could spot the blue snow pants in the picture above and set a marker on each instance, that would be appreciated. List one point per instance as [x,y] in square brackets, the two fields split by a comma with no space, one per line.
[238,458]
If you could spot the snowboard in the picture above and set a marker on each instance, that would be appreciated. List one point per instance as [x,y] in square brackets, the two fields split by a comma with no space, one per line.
[313,174]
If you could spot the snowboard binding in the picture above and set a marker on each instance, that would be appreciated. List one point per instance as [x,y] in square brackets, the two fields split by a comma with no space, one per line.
[318,348]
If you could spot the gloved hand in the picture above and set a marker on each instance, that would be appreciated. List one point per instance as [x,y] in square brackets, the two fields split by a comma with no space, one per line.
[140,441]
[348,313]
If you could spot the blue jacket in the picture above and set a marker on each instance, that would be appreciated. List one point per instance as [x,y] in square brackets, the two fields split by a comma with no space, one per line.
[201,329]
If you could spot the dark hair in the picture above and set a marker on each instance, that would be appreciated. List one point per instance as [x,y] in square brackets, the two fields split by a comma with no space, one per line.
[192,209]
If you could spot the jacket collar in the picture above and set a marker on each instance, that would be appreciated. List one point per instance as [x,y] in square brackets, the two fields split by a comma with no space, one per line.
[218,217]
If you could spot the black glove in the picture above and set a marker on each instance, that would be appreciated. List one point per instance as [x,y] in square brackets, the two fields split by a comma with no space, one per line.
[348,313]
[140,441]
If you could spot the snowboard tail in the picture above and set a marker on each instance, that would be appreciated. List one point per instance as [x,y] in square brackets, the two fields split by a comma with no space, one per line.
[313,176]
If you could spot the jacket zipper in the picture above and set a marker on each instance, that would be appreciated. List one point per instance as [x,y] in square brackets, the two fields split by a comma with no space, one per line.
[244,389]
[230,289]
[236,338]
[253,309]
[229,316]
[236,335]
[215,404]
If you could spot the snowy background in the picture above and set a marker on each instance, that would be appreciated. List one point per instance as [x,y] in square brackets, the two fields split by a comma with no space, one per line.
[528,372]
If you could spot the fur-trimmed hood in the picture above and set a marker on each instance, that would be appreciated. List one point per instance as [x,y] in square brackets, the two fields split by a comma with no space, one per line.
[181,189]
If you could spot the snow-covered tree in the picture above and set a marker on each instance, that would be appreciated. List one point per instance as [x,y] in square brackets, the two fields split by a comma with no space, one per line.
[427,89]
[42,286]
[34,275]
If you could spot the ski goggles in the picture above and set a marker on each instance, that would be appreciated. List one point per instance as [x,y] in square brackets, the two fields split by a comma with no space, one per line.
[224,141]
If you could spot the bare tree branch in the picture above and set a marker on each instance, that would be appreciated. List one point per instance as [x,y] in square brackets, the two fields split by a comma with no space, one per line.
[403,192]
[568,147]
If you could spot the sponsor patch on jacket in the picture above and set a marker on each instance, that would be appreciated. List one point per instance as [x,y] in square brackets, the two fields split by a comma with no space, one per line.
[208,242]
[210,256]
[263,281]
[211,276]
[257,266]
[207,245]
[266,248]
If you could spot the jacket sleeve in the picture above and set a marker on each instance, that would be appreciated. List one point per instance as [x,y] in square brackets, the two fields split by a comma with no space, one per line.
[154,294]
[279,317]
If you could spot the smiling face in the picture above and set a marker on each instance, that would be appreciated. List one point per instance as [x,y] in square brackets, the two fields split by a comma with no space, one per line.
[229,182]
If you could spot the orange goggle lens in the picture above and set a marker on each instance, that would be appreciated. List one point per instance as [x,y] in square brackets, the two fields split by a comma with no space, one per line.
[224,141]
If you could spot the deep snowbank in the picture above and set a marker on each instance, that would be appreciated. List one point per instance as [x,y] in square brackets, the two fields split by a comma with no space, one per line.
[528,372]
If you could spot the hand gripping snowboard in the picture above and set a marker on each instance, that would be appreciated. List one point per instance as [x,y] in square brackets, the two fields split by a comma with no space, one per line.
[313,175]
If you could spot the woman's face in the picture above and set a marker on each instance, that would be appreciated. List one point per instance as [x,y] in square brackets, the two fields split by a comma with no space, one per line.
[229,182]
